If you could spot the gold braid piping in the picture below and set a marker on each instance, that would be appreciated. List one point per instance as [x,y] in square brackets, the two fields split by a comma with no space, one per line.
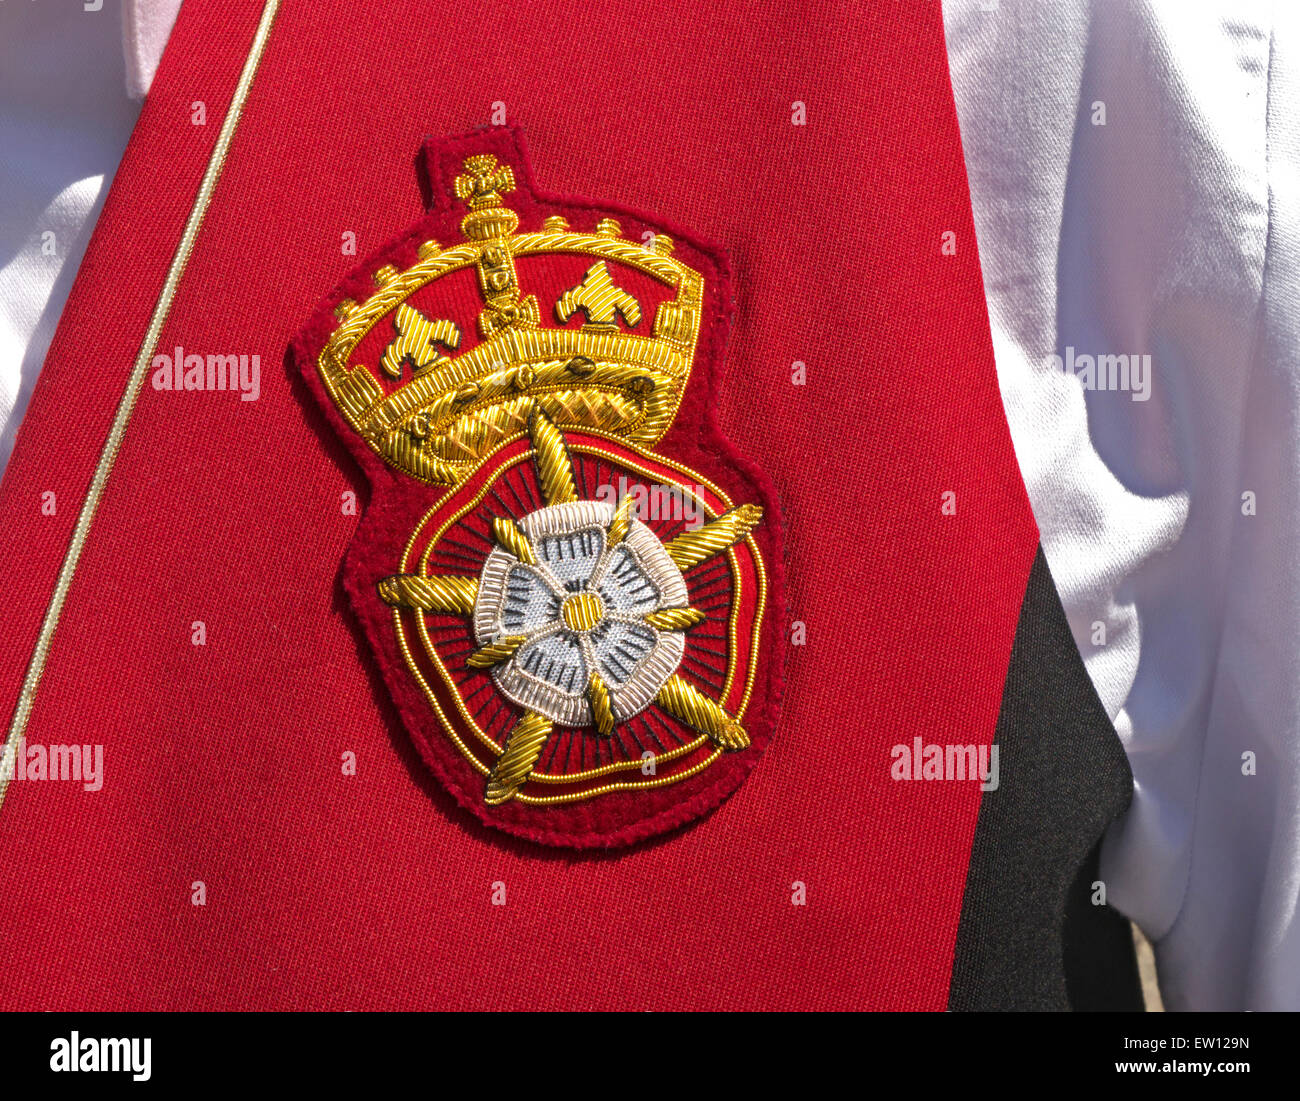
[126,406]
[643,785]
[523,747]
[692,707]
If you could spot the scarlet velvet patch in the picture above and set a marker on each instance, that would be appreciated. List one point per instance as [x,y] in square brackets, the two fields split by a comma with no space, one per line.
[570,580]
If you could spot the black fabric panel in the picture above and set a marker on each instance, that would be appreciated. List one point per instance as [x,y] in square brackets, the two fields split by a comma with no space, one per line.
[1100,962]
[1029,936]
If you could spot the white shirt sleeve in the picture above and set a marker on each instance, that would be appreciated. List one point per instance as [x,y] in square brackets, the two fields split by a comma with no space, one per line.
[1135,176]
[61,140]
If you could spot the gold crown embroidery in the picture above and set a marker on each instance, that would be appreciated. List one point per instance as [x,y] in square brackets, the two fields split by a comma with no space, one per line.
[452,410]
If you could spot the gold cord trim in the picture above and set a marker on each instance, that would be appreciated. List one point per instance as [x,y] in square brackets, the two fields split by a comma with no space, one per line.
[507,533]
[601,710]
[675,619]
[453,595]
[495,652]
[643,785]
[693,547]
[696,710]
[553,465]
[523,747]
[618,527]
[126,406]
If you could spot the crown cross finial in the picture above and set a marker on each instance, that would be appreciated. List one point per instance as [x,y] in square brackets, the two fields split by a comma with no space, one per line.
[484,181]
[598,298]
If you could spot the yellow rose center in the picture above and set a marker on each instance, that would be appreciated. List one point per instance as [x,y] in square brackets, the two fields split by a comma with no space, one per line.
[582,611]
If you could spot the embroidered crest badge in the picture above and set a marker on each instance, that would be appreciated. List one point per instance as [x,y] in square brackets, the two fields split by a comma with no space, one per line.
[567,574]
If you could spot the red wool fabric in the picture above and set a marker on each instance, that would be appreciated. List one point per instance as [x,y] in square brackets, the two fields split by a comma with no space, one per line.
[222,761]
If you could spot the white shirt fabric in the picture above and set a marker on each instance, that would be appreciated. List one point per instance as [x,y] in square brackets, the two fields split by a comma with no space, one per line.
[60,143]
[1173,230]
[1135,175]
